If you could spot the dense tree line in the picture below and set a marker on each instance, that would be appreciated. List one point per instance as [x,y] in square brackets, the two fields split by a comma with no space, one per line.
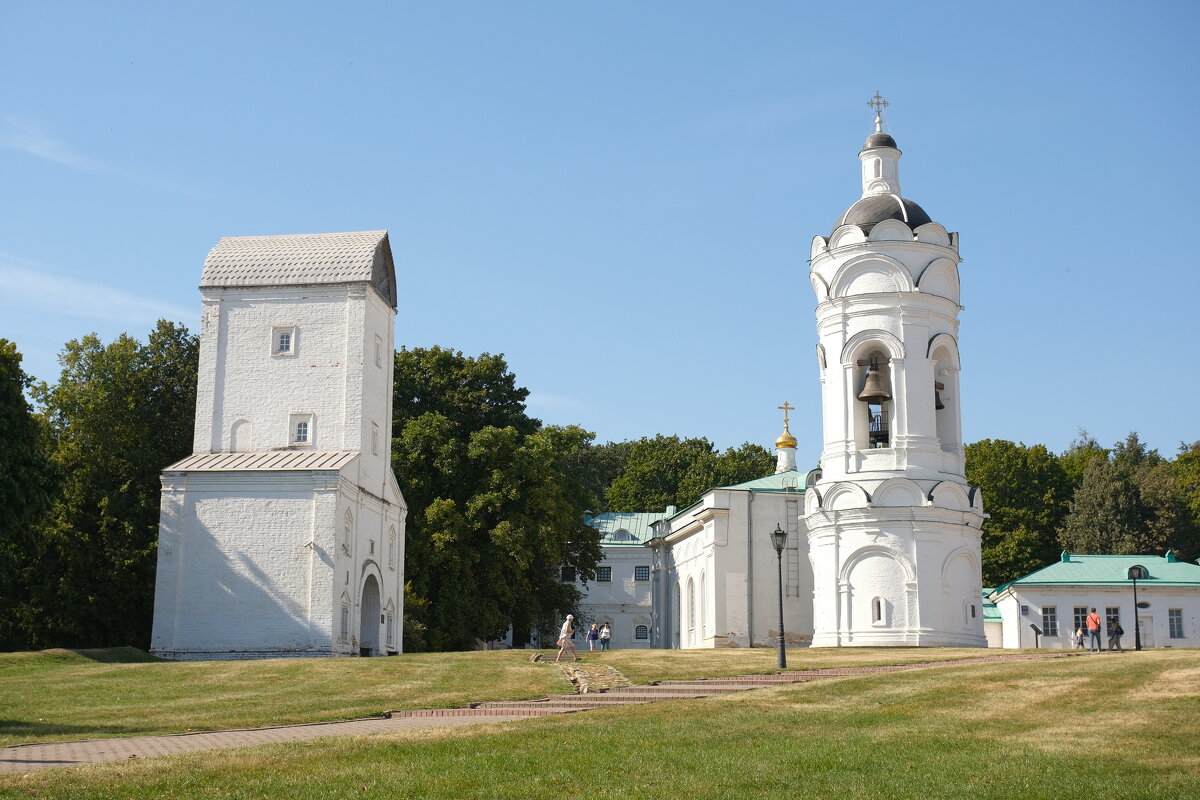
[1125,499]
[497,500]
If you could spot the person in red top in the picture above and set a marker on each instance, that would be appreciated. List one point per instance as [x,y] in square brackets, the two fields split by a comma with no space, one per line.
[1093,626]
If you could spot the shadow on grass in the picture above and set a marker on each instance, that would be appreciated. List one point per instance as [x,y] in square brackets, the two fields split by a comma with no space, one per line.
[109,655]
[33,732]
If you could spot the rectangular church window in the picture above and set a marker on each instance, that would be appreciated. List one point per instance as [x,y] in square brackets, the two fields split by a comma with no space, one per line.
[641,573]
[1050,620]
[567,574]
[1080,613]
[283,340]
[1175,622]
[604,574]
[641,632]
[301,433]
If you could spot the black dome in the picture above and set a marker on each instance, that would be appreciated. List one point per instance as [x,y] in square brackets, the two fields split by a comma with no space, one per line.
[873,209]
[879,139]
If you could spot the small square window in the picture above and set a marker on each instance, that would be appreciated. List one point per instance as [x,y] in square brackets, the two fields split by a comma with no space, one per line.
[641,573]
[567,574]
[604,574]
[641,632]
[300,430]
[283,340]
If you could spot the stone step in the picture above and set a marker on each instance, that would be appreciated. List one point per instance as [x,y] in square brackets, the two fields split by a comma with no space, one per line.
[672,691]
[475,712]
[559,706]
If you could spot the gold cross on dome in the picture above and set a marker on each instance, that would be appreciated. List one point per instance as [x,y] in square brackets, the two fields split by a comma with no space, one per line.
[785,408]
[878,103]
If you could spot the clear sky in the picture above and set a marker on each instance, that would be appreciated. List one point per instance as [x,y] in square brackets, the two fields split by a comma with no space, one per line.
[620,196]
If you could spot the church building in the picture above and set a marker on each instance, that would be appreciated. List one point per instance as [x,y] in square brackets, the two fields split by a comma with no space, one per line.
[883,540]
[283,533]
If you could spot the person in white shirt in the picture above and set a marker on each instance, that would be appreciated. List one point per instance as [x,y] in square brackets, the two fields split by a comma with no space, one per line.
[564,638]
[605,636]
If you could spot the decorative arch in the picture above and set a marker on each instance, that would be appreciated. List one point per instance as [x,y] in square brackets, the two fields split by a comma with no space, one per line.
[821,356]
[871,550]
[347,531]
[820,288]
[819,245]
[940,278]
[951,495]
[933,233]
[891,230]
[812,500]
[888,341]
[947,342]
[898,492]
[870,273]
[241,436]
[845,495]
[846,235]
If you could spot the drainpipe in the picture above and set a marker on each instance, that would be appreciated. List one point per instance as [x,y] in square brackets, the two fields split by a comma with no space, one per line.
[749,569]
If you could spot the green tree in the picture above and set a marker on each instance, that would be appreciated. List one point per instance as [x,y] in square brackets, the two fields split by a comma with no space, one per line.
[28,482]
[494,506]
[667,470]
[118,414]
[1129,503]
[1025,493]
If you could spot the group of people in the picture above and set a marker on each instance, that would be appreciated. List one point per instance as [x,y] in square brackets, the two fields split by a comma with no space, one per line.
[601,634]
[1091,629]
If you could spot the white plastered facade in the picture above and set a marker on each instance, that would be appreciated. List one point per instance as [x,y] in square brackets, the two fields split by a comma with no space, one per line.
[283,533]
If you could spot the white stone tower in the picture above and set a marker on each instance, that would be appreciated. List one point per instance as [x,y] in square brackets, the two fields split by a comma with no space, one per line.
[893,527]
[283,532]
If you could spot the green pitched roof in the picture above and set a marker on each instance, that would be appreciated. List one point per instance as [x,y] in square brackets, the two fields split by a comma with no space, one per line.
[635,523]
[790,481]
[1077,570]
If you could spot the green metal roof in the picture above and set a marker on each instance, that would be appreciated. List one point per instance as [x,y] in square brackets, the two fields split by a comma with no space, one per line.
[1079,570]
[635,523]
[790,481]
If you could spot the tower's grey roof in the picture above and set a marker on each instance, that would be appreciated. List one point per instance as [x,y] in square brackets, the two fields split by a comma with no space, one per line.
[879,139]
[875,208]
[301,259]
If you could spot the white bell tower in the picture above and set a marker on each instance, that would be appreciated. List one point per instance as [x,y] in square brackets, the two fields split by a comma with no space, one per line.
[893,526]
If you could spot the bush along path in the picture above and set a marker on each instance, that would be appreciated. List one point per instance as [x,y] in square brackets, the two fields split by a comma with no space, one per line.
[597,686]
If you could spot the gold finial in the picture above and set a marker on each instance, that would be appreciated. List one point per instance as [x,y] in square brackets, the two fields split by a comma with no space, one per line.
[786,439]
[879,104]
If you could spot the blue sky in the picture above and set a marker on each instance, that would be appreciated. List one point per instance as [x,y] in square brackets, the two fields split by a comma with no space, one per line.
[620,196]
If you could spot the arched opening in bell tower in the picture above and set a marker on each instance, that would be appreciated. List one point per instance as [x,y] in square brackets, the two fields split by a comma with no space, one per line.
[872,413]
[945,394]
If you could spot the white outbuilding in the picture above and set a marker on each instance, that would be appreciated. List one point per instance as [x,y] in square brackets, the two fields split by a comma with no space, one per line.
[283,533]
[1046,607]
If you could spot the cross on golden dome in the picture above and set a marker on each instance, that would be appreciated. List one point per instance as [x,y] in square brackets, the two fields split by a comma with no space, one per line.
[786,439]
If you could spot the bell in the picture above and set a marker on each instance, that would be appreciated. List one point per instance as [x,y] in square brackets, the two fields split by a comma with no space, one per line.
[938,405]
[875,391]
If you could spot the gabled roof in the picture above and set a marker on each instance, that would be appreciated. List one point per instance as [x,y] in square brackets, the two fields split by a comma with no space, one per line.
[303,259]
[270,460]
[636,523]
[1089,570]
[790,481]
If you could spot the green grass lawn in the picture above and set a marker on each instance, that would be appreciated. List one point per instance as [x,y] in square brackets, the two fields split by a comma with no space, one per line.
[1111,726]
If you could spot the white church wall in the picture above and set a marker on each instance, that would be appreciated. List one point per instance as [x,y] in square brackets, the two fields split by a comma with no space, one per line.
[255,589]
[312,378]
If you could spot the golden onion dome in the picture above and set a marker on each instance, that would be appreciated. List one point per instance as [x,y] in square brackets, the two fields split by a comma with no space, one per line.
[785,439]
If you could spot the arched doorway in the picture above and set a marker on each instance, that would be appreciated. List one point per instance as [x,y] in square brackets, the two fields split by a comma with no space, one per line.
[368,627]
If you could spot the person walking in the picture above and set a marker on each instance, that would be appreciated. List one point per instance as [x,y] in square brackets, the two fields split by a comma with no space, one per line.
[1080,636]
[1093,626]
[605,636]
[1115,632]
[593,636]
[565,640]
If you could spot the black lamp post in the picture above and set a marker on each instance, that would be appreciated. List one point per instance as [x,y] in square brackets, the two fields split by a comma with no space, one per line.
[779,540]
[1135,572]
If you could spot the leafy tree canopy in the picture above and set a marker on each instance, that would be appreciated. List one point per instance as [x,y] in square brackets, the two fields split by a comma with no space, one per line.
[495,507]
[118,414]
[667,470]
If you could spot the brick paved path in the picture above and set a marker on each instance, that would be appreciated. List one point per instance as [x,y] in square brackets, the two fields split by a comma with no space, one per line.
[22,758]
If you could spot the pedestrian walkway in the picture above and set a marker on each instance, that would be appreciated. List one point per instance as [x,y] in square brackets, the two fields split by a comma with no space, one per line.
[23,758]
